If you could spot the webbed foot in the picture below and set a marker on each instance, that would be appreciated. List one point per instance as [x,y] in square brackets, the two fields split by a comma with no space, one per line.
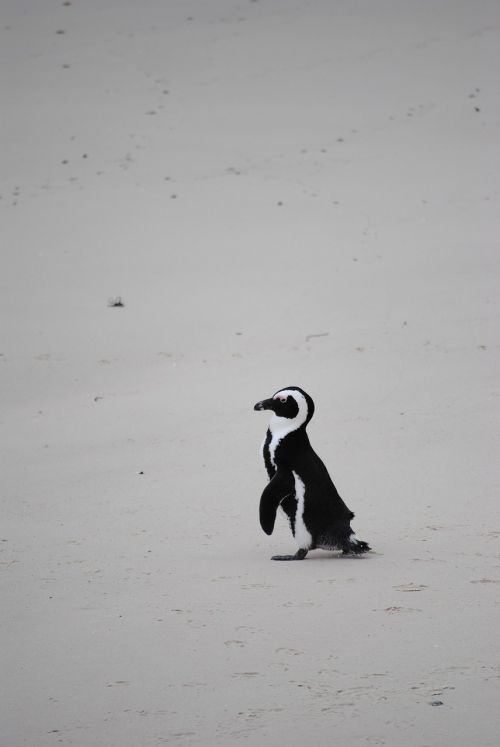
[299,555]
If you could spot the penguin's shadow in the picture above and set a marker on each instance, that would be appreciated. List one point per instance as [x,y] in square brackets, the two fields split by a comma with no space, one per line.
[338,556]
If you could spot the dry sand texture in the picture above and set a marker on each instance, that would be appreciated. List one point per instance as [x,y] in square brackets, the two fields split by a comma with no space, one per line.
[282,192]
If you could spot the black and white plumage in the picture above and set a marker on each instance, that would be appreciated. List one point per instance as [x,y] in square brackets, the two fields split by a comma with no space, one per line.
[299,481]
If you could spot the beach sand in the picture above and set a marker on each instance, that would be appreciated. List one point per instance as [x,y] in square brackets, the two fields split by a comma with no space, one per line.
[280,193]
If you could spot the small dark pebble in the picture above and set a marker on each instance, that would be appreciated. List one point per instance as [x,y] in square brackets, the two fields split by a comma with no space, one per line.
[141,473]
[116,302]
[436,703]
[477,109]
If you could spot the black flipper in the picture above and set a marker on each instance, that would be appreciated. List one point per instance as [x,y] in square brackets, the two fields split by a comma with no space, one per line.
[299,555]
[275,491]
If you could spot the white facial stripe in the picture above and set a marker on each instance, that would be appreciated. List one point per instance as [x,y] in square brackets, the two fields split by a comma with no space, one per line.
[287,425]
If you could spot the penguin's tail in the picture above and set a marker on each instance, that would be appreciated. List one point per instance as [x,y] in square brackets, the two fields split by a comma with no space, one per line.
[355,546]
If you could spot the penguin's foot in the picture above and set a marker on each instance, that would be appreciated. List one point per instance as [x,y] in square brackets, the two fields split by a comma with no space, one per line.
[299,555]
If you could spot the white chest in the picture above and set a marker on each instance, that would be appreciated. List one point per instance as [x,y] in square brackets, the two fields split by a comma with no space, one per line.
[302,534]
[279,428]
[275,441]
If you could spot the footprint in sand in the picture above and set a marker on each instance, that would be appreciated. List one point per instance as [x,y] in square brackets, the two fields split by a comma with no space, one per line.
[410,587]
[289,651]
[248,587]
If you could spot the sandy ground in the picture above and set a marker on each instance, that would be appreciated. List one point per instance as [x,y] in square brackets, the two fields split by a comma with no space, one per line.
[282,192]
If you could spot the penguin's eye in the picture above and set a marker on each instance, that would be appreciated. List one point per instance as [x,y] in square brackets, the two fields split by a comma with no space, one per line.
[283,399]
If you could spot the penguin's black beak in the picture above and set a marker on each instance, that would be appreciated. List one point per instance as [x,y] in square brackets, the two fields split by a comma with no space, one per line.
[265,404]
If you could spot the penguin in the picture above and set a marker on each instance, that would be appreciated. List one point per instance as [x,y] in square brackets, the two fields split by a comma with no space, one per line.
[299,482]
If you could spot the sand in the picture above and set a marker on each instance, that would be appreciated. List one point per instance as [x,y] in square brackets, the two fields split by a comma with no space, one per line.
[281,192]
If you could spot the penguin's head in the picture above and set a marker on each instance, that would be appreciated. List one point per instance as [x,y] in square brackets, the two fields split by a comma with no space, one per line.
[291,404]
